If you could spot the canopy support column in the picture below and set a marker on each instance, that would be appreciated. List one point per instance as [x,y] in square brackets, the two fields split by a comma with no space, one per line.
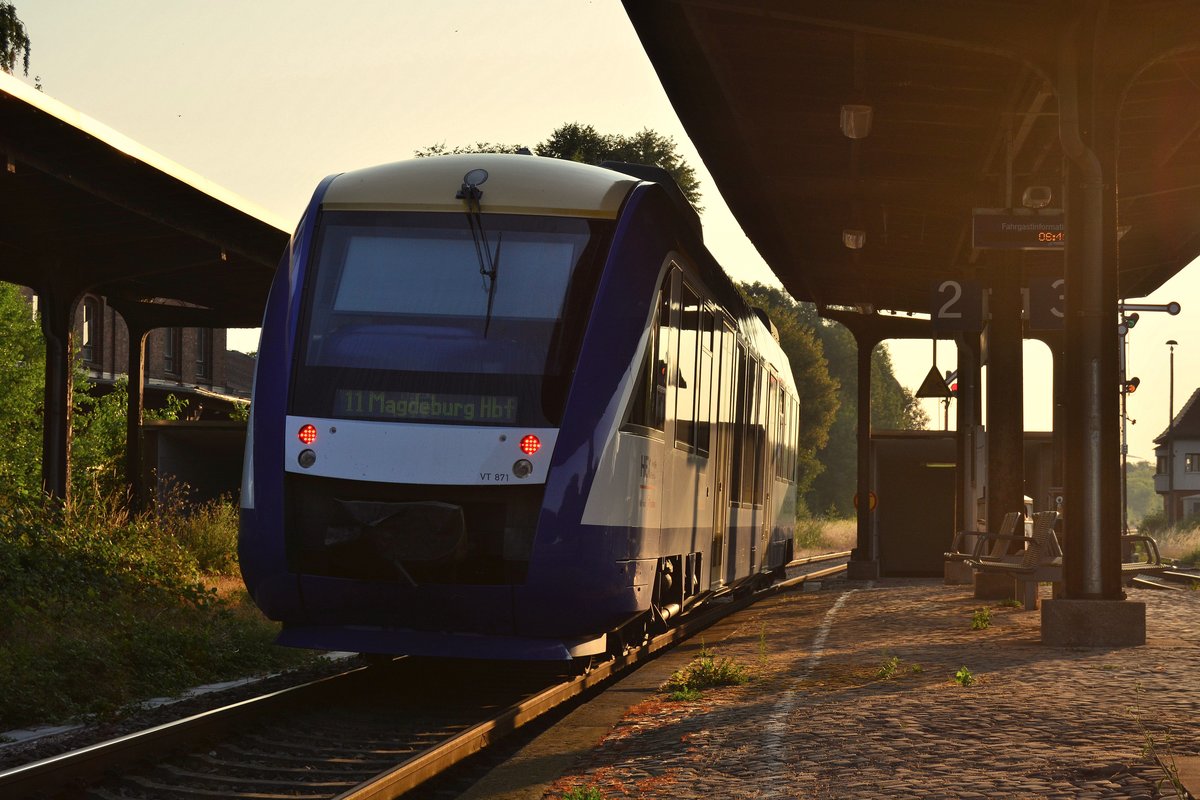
[1005,392]
[968,415]
[57,307]
[864,559]
[1093,612]
[133,415]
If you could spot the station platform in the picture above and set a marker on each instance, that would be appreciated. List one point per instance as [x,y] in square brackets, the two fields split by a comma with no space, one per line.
[853,695]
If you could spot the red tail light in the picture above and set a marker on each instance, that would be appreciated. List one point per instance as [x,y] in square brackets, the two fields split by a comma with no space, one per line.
[308,433]
[530,445]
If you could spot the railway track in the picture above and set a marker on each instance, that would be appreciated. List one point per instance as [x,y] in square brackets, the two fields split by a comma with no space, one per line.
[1170,579]
[368,733]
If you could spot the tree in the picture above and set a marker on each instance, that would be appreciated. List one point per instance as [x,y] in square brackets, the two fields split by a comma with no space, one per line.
[14,41]
[97,424]
[1142,499]
[478,147]
[573,141]
[22,376]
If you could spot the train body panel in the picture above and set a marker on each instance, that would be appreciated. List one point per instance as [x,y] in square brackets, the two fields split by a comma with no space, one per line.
[400,452]
[394,498]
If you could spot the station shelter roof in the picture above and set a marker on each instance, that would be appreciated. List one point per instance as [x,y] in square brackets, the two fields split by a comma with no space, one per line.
[965,110]
[84,208]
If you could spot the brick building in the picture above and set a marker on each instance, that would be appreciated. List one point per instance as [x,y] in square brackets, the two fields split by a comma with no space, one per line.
[191,363]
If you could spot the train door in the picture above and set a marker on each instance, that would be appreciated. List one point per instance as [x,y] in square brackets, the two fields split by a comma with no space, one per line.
[722,445]
[667,373]
[770,433]
[752,460]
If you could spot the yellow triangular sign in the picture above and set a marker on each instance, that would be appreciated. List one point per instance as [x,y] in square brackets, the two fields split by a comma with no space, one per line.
[934,385]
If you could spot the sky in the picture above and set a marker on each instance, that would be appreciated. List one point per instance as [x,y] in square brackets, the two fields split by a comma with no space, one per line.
[266,98]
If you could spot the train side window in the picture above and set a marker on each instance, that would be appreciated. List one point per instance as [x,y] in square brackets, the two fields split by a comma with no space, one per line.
[789,438]
[663,363]
[648,405]
[783,464]
[686,393]
[794,439]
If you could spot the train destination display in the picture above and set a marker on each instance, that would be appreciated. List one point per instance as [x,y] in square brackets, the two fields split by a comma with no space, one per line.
[427,406]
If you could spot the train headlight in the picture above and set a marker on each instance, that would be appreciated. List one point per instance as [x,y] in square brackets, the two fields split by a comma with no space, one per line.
[530,444]
[307,458]
[523,468]
[307,434]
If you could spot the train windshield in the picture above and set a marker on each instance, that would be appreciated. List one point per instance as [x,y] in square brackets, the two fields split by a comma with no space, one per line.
[446,318]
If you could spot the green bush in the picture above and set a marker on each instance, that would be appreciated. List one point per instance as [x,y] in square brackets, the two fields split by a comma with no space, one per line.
[703,672]
[100,608]
[1153,523]
[810,532]
[582,793]
[207,532]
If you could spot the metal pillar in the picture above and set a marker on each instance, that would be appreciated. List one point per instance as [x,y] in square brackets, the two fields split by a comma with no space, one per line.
[1005,392]
[864,560]
[1091,565]
[968,413]
[133,415]
[57,309]
[1171,440]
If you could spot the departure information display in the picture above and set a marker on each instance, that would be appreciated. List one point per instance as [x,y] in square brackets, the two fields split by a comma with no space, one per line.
[1002,229]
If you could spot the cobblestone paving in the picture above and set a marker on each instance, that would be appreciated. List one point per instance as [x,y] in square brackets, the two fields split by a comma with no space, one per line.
[857,699]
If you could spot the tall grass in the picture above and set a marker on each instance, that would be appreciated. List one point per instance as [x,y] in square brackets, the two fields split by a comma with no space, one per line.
[1181,544]
[1180,541]
[817,535]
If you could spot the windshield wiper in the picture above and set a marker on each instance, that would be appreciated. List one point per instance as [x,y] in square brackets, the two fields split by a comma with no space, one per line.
[471,193]
[493,274]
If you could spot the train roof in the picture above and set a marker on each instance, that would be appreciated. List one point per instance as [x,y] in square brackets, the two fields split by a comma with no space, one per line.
[515,184]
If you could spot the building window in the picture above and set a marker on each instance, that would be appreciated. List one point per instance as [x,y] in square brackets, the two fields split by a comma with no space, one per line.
[1161,466]
[173,351]
[204,354]
[90,341]
[1191,462]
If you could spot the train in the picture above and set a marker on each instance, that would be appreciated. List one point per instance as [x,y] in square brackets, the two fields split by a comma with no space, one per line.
[509,407]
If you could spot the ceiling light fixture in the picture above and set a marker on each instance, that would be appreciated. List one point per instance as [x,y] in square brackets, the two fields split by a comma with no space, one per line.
[856,121]
[1036,196]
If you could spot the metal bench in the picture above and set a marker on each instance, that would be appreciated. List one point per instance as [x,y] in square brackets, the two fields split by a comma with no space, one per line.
[1041,560]
[1139,554]
[987,546]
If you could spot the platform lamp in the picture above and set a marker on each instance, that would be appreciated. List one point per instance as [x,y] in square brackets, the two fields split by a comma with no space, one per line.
[1171,343]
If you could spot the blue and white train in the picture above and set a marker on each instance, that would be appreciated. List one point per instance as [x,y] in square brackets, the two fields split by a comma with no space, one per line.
[508,407]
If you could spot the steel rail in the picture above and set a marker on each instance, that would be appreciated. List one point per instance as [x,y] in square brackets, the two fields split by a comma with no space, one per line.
[90,763]
[437,760]
[800,562]
[1168,580]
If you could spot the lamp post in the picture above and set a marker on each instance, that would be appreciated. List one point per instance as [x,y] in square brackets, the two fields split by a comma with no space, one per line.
[1171,343]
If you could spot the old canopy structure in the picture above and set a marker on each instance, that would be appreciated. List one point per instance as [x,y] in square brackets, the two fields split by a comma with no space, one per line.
[855,140]
[83,208]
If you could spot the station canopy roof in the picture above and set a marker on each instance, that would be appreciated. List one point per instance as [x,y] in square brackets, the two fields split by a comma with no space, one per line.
[83,208]
[964,115]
